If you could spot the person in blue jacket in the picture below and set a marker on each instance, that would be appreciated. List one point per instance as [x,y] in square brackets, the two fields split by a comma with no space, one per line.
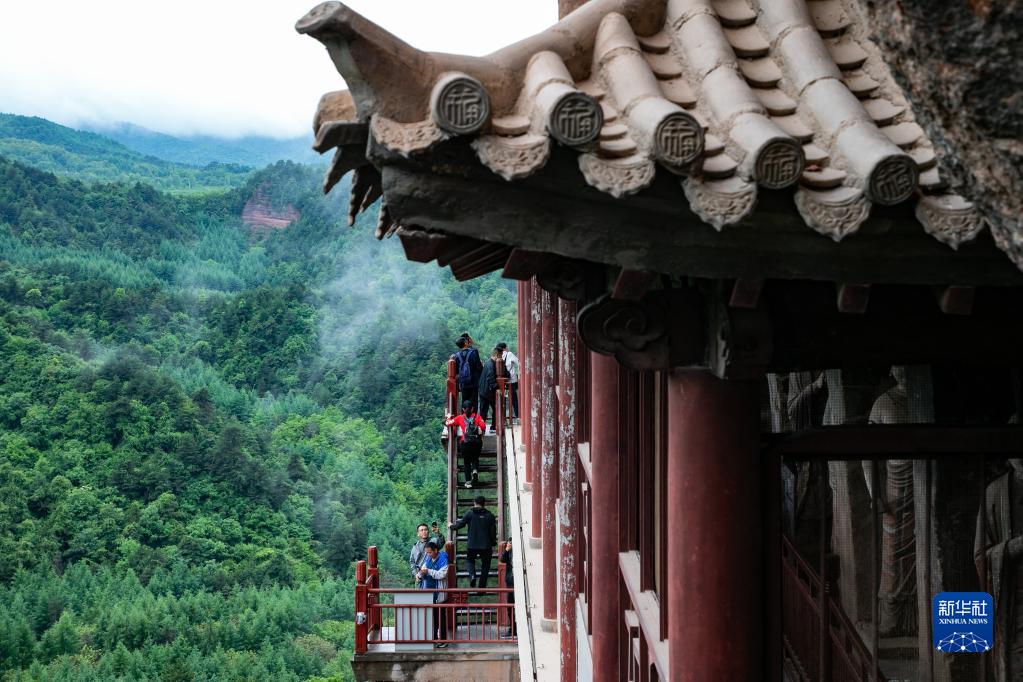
[432,576]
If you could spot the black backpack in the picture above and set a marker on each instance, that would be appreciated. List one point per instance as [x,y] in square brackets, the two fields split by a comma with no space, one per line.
[464,368]
[471,434]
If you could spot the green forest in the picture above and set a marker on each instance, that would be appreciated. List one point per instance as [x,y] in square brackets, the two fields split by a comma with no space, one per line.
[203,427]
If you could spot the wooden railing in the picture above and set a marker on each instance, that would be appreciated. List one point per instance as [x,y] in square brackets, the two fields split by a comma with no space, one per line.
[500,406]
[818,635]
[469,620]
[453,407]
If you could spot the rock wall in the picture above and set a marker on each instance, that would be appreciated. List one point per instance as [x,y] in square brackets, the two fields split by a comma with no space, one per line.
[260,216]
[959,63]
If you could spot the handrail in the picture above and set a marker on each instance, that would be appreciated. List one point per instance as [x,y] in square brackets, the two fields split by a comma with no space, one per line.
[499,410]
[806,594]
[452,590]
[469,620]
[452,447]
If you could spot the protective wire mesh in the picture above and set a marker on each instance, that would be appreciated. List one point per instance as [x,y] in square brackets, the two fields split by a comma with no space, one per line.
[888,534]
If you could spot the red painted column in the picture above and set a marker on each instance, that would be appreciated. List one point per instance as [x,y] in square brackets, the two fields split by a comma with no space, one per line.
[525,370]
[549,455]
[536,414]
[568,456]
[604,524]
[715,545]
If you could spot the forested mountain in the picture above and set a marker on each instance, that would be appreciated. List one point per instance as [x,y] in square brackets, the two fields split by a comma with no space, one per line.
[94,158]
[199,150]
[202,426]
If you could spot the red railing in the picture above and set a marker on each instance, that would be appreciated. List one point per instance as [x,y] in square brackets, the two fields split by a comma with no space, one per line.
[808,610]
[379,621]
[453,407]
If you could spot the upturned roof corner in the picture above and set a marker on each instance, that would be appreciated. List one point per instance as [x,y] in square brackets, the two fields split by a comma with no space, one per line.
[728,97]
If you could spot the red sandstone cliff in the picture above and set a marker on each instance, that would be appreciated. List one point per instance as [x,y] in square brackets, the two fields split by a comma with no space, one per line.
[259,216]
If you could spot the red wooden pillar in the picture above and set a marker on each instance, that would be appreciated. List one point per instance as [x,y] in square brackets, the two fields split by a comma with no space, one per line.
[605,607]
[536,412]
[549,454]
[715,544]
[526,373]
[567,457]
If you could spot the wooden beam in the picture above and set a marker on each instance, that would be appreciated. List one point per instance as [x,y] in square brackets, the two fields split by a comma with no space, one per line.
[465,269]
[853,298]
[420,246]
[459,247]
[956,300]
[553,212]
[524,264]
[632,285]
[900,441]
[902,326]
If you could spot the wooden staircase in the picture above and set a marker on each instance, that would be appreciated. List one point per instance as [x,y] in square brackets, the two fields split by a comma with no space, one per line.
[490,483]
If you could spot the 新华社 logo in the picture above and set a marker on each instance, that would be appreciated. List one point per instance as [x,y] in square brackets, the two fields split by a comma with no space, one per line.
[963,622]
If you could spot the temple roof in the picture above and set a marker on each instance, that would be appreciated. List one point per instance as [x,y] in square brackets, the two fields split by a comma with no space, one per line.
[727,98]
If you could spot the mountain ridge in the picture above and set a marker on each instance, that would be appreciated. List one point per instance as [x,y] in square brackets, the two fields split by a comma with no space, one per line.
[91,157]
[199,150]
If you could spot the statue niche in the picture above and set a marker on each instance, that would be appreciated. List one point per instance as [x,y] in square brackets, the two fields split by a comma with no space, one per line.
[998,553]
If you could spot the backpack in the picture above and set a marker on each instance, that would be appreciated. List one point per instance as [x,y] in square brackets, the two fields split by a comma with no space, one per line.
[464,368]
[471,434]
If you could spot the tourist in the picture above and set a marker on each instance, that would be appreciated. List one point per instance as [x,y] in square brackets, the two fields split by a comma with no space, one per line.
[511,367]
[470,440]
[488,388]
[418,554]
[433,576]
[468,369]
[482,537]
[509,582]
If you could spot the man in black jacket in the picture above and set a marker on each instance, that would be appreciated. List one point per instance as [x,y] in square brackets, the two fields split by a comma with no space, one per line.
[488,388]
[482,538]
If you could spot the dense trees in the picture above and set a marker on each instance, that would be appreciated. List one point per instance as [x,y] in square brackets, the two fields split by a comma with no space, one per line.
[201,429]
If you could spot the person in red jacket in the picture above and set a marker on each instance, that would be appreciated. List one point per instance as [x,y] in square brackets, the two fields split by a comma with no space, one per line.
[470,440]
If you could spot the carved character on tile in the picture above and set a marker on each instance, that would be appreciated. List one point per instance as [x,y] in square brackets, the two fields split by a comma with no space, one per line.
[679,139]
[779,164]
[576,119]
[461,106]
[894,180]
[1001,545]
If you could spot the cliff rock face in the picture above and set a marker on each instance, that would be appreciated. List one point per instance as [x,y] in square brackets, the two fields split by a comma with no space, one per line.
[959,62]
[261,217]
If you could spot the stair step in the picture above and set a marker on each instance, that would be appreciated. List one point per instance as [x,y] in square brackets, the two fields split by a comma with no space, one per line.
[491,502]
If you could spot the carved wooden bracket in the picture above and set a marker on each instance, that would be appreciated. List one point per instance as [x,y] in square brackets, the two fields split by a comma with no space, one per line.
[661,331]
[740,341]
[570,279]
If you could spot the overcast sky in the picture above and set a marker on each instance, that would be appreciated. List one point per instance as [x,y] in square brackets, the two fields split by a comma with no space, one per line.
[225,67]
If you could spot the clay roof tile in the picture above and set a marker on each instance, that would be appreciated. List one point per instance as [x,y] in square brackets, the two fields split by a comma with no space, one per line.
[727,94]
